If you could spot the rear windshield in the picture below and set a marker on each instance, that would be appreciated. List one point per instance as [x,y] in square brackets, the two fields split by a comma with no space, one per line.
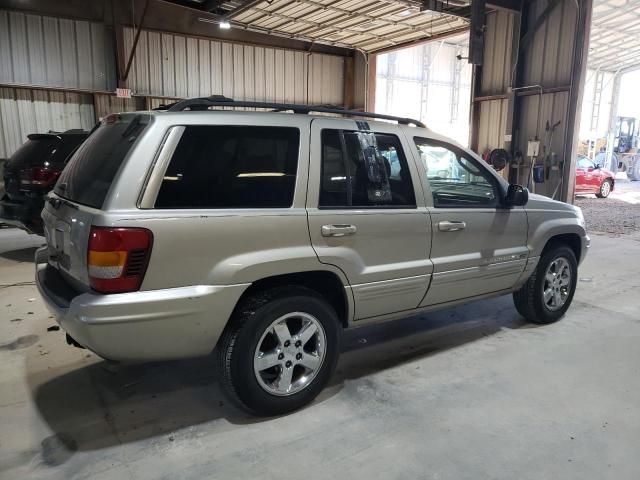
[88,175]
[33,152]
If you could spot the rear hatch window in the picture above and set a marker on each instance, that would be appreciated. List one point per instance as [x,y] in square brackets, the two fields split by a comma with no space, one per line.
[88,176]
[35,151]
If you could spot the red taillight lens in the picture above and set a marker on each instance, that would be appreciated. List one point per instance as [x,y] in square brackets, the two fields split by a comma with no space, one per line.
[39,176]
[117,258]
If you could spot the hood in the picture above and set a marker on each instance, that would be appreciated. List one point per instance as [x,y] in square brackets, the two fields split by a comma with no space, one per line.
[541,202]
[607,173]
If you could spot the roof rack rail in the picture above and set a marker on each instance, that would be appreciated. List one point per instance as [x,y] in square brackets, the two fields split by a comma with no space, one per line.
[203,103]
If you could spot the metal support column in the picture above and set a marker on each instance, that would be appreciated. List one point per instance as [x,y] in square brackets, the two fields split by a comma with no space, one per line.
[578,71]
[425,78]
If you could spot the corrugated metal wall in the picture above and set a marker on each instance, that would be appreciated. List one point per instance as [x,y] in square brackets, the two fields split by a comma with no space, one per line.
[496,78]
[55,52]
[548,62]
[25,111]
[105,104]
[173,65]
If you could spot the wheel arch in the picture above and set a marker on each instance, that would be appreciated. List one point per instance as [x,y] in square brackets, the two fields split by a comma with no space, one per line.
[572,240]
[328,284]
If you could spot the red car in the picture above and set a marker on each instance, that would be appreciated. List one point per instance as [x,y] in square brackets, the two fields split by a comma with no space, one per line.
[590,178]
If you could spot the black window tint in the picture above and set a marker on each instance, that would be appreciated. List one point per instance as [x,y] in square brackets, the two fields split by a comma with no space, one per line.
[363,169]
[66,148]
[88,175]
[232,167]
[456,180]
[35,151]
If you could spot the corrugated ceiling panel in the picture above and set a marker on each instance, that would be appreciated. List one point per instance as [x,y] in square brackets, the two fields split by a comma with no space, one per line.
[179,66]
[55,52]
[24,111]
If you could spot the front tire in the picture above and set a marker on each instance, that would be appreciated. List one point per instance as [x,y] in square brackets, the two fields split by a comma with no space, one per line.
[605,189]
[279,350]
[548,293]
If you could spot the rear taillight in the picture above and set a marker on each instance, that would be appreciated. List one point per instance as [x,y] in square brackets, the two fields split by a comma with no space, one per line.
[117,258]
[39,176]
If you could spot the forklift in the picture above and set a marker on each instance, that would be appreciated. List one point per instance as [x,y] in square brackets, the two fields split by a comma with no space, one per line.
[622,148]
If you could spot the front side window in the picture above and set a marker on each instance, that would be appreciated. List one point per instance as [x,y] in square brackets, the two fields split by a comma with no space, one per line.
[364,170]
[456,180]
[232,167]
[584,162]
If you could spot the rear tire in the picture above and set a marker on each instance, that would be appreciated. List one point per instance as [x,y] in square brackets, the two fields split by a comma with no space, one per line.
[268,330]
[605,189]
[548,293]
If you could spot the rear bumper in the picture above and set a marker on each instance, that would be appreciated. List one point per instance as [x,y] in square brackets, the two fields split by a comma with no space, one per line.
[140,326]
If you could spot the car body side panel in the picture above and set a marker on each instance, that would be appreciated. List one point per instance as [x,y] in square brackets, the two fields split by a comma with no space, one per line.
[548,218]
[387,260]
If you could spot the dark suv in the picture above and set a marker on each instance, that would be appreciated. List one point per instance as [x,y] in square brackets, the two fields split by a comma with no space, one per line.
[31,173]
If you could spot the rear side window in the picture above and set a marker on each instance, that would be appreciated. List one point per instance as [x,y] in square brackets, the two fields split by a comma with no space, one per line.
[88,175]
[232,167]
[364,169]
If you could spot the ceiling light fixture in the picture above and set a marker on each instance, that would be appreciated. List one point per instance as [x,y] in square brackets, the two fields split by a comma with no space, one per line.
[224,25]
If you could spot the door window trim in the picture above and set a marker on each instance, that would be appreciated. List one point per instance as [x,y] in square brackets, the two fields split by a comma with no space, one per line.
[497,187]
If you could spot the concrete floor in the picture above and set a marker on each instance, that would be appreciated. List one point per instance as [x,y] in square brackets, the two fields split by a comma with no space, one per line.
[469,393]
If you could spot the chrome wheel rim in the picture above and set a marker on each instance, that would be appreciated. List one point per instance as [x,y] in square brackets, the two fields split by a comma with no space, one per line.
[605,189]
[557,284]
[289,354]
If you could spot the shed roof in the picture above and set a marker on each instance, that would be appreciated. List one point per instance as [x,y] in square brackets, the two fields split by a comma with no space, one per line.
[615,35]
[366,25]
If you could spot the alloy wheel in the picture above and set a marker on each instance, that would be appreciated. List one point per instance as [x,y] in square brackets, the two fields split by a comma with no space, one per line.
[557,284]
[289,354]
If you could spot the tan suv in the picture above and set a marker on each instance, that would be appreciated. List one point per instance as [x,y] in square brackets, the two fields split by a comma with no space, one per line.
[261,235]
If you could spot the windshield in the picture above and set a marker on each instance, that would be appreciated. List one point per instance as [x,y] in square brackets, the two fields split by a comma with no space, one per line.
[88,176]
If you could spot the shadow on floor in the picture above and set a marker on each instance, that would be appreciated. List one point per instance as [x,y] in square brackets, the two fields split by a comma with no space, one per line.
[21,255]
[92,408]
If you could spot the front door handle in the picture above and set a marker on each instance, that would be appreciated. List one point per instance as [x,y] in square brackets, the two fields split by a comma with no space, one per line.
[338,230]
[447,226]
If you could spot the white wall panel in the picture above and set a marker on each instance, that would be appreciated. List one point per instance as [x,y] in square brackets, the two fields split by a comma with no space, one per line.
[55,52]
[24,111]
[180,66]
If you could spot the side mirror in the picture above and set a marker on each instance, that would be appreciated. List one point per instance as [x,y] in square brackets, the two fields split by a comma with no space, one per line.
[517,196]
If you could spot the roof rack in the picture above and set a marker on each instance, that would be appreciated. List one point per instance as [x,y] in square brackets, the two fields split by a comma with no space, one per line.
[203,103]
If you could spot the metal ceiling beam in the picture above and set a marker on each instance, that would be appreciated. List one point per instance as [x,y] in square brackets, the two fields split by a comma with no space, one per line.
[443,6]
[509,5]
[318,26]
[245,6]
[422,40]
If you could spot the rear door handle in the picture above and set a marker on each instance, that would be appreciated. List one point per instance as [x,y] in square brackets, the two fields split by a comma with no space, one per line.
[447,226]
[338,230]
